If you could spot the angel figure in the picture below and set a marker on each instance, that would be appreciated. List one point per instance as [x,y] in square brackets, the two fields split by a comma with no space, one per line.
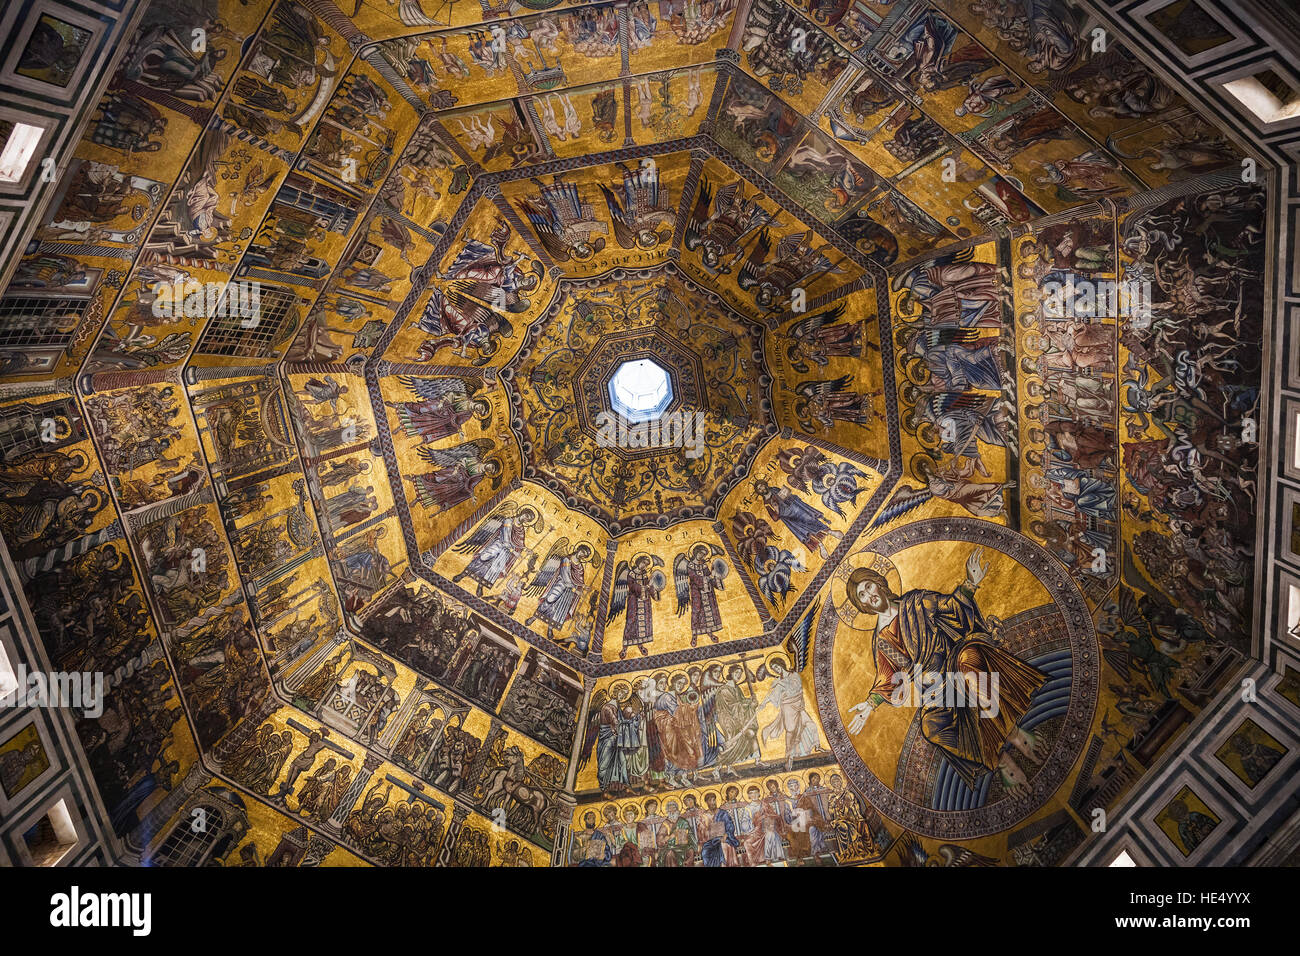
[459,470]
[497,544]
[819,338]
[773,566]
[483,283]
[823,402]
[560,583]
[697,579]
[635,586]
[446,405]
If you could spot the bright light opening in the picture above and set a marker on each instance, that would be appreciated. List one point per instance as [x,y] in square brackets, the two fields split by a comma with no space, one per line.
[1293,611]
[1267,95]
[1123,860]
[51,837]
[8,679]
[18,151]
[640,390]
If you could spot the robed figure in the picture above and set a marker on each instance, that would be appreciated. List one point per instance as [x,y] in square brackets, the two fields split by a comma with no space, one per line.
[698,577]
[803,520]
[636,585]
[445,405]
[931,632]
[603,736]
[457,472]
[497,544]
[560,583]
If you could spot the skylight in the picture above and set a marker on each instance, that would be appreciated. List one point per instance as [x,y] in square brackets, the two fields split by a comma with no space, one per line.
[640,390]
[17,152]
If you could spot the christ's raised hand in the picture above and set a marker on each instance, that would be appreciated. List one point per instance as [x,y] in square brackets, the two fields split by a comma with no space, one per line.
[861,712]
[976,568]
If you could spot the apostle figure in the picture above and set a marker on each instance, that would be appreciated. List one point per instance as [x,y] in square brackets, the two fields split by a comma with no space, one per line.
[590,845]
[605,734]
[719,844]
[736,715]
[678,731]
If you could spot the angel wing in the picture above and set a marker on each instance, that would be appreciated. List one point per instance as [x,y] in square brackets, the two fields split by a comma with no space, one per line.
[823,386]
[751,273]
[1129,611]
[681,578]
[548,228]
[474,311]
[552,564]
[624,227]
[797,642]
[448,457]
[799,463]
[431,318]
[751,534]
[699,216]
[593,726]
[954,855]
[487,528]
[618,602]
[905,499]
[808,326]
[436,388]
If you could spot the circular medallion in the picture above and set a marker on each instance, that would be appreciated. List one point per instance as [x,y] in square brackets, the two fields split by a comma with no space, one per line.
[956,675]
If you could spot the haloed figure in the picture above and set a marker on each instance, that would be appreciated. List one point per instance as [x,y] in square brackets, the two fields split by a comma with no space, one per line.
[932,632]
[698,577]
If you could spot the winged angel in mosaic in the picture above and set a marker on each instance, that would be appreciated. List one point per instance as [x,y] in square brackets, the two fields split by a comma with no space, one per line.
[697,580]
[445,406]
[720,228]
[561,583]
[636,584]
[466,312]
[498,543]
[798,262]
[565,225]
[643,213]
[457,473]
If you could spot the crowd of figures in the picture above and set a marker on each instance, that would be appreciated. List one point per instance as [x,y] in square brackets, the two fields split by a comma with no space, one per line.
[440,639]
[474,847]
[1071,459]
[1190,396]
[957,393]
[796,820]
[487,771]
[672,728]
[408,833]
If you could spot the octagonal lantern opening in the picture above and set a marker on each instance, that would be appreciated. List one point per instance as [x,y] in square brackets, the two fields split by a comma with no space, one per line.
[640,390]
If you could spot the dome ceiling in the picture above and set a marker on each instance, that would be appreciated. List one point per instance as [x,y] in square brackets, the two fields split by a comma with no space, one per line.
[430,526]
